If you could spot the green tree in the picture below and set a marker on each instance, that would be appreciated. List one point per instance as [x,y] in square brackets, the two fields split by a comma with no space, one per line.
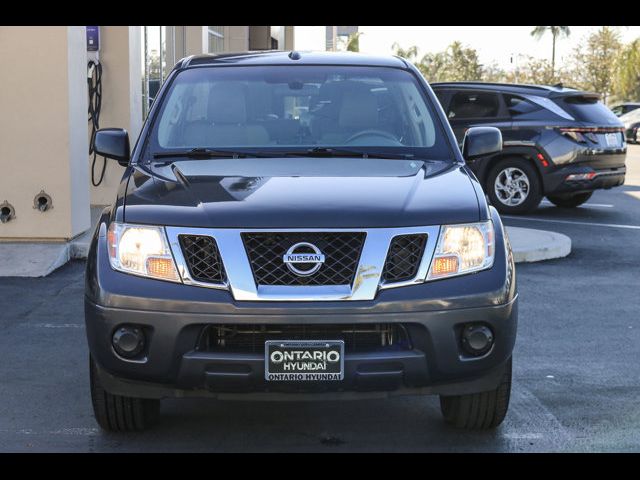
[594,62]
[461,63]
[493,73]
[410,53]
[456,63]
[556,32]
[353,42]
[626,85]
[535,71]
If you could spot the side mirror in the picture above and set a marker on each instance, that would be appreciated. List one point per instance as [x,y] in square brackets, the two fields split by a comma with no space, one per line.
[113,143]
[479,141]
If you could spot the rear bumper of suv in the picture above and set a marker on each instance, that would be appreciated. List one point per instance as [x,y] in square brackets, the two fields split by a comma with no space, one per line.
[175,361]
[583,178]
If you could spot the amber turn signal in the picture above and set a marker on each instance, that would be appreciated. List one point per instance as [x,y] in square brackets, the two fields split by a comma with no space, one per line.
[444,265]
[162,268]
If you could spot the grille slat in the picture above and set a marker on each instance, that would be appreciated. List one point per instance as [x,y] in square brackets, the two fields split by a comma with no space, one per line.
[251,338]
[203,258]
[404,257]
[341,250]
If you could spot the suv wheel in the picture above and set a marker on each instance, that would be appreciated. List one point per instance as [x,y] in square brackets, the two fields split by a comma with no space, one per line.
[513,186]
[479,411]
[117,413]
[569,200]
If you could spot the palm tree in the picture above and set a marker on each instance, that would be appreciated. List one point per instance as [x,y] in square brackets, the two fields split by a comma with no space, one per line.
[353,42]
[539,32]
[409,53]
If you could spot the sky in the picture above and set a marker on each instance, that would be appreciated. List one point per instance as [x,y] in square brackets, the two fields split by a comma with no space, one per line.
[498,44]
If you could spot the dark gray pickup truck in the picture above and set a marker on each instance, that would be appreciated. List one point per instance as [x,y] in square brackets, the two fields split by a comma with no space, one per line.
[299,226]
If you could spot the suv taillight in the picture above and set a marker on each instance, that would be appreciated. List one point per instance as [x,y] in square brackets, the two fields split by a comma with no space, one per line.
[580,134]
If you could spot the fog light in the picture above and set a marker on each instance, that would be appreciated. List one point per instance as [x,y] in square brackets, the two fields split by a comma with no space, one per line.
[128,341]
[477,339]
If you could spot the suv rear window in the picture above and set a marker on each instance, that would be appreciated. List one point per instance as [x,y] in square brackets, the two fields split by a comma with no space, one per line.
[474,105]
[519,106]
[586,108]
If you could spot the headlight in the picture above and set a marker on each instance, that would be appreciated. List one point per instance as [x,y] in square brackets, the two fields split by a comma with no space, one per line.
[141,250]
[463,249]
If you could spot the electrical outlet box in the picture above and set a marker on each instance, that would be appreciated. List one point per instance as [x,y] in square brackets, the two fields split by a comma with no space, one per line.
[93,39]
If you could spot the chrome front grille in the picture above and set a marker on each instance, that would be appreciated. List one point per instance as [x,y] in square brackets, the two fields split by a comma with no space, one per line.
[403,258]
[341,250]
[355,264]
[203,258]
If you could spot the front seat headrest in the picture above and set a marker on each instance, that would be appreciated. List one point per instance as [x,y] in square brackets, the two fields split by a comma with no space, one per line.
[227,103]
[359,109]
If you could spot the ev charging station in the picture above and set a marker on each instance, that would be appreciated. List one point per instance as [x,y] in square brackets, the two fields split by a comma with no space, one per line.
[94,81]
[52,104]
[64,83]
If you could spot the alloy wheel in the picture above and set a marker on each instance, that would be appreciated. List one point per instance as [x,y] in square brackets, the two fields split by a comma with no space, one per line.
[511,186]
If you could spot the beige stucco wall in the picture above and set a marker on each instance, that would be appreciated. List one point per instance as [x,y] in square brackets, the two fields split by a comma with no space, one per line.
[197,40]
[120,56]
[44,133]
[289,38]
[43,139]
[236,38]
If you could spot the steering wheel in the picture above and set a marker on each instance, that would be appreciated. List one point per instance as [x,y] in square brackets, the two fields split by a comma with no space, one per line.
[373,132]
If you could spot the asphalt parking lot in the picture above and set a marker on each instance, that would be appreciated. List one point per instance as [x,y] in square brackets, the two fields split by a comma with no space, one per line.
[576,364]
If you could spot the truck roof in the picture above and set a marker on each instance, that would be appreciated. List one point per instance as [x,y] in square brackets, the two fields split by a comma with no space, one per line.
[279,57]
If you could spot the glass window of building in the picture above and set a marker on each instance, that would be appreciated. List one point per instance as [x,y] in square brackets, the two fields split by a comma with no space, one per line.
[216,39]
[153,63]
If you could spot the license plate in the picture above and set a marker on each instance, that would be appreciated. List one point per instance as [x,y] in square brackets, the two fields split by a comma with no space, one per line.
[612,139]
[304,360]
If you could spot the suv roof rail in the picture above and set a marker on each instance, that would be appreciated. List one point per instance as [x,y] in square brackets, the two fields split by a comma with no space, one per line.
[498,84]
[183,62]
[186,61]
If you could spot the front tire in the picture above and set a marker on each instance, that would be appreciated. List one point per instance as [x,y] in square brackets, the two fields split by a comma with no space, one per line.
[570,200]
[479,411]
[117,413]
[513,186]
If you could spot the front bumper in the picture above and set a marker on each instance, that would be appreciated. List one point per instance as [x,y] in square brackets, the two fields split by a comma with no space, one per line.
[173,317]
[173,367]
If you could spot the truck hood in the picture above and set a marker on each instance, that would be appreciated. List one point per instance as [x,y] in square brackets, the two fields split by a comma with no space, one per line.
[300,193]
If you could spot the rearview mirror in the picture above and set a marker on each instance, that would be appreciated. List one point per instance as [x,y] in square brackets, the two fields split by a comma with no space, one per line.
[479,141]
[113,143]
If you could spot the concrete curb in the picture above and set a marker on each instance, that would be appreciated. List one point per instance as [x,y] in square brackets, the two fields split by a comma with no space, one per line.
[32,259]
[528,245]
[531,245]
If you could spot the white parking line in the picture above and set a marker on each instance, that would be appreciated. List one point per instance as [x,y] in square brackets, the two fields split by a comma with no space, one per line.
[584,205]
[59,325]
[571,222]
[62,431]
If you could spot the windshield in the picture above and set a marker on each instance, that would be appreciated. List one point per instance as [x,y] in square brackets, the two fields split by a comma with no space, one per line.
[288,108]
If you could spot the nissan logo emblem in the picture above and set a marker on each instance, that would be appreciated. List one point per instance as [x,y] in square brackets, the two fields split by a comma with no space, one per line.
[303,253]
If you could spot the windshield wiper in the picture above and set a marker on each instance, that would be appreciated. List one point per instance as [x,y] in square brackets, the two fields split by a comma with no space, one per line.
[205,153]
[345,152]
[311,152]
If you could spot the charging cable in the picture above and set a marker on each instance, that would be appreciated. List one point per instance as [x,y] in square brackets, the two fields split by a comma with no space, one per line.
[94,80]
